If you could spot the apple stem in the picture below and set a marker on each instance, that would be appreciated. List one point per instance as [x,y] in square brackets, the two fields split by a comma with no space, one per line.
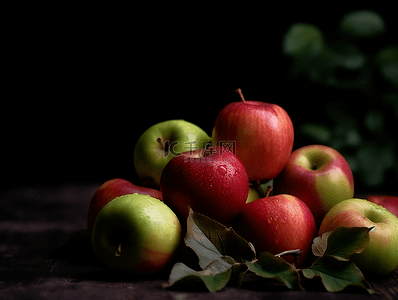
[268,192]
[118,250]
[239,91]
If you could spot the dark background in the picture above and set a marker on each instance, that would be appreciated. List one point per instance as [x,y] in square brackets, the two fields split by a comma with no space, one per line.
[84,83]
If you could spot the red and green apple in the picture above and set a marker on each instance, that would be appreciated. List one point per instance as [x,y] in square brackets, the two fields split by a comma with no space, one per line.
[136,234]
[160,143]
[388,202]
[380,256]
[318,175]
[111,189]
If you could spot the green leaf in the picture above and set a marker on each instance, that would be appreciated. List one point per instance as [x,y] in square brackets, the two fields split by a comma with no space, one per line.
[211,240]
[336,248]
[215,276]
[199,242]
[362,24]
[320,244]
[387,55]
[271,266]
[387,60]
[344,242]
[303,40]
[337,275]
[317,132]
[347,55]
[374,121]
[375,159]
[238,270]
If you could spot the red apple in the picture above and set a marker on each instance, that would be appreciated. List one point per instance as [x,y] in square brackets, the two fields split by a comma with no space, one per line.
[388,202]
[212,181]
[263,135]
[110,190]
[318,175]
[276,224]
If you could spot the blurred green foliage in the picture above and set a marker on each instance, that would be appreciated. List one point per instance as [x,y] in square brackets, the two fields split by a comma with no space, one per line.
[359,75]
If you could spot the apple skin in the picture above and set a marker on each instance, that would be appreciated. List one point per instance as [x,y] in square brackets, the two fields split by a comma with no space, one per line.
[380,257]
[111,189]
[146,229]
[388,202]
[263,133]
[276,224]
[161,142]
[318,175]
[253,195]
[216,185]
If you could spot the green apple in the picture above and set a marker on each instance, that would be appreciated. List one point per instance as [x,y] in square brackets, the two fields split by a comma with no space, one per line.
[161,142]
[257,190]
[253,195]
[136,234]
[380,257]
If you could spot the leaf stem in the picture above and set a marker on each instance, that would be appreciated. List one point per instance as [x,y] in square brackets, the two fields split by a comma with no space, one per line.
[296,253]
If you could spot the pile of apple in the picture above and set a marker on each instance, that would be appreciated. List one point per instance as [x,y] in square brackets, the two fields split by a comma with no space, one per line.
[228,177]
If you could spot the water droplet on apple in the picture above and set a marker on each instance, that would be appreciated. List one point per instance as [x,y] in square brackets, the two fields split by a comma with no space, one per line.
[222,170]
[276,241]
[269,220]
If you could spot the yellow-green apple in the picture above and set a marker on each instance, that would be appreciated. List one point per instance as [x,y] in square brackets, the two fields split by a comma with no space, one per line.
[136,234]
[380,256]
[257,191]
[253,195]
[318,175]
[276,224]
[161,142]
[388,202]
[111,189]
[263,134]
[212,181]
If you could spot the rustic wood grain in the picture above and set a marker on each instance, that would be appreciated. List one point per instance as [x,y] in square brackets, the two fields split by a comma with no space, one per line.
[45,254]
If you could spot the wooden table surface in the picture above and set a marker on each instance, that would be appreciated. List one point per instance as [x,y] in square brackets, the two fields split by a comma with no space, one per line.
[35,262]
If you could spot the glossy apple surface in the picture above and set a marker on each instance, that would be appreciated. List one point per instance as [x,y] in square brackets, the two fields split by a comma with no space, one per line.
[111,189]
[388,202]
[263,133]
[318,175]
[135,234]
[380,257]
[276,224]
[215,185]
[253,195]
[161,142]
